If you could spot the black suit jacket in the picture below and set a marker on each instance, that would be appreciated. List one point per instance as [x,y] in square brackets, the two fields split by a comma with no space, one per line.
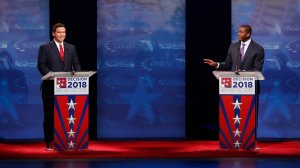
[49,58]
[253,59]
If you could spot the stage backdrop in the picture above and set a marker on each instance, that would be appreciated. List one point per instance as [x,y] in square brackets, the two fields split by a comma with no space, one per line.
[141,68]
[24,25]
[276,26]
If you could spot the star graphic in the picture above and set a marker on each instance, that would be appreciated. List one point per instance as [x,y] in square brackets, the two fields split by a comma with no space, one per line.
[71,120]
[71,133]
[71,105]
[237,132]
[237,119]
[237,144]
[71,145]
[141,100]
[237,104]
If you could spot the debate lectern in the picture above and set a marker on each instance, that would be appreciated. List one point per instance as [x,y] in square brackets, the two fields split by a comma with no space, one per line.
[238,109]
[71,109]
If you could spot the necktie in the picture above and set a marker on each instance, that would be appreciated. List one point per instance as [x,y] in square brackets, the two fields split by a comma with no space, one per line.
[242,51]
[61,51]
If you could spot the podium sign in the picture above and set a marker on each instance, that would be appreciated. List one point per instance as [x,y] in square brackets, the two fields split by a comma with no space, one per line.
[71,113]
[237,85]
[237,110]
[71,109]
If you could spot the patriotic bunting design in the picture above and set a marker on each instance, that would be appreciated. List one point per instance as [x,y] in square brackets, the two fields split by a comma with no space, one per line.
[237,120]
[71,122]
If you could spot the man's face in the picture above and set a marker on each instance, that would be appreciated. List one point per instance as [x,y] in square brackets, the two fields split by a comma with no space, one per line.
[243,35]
[60,34]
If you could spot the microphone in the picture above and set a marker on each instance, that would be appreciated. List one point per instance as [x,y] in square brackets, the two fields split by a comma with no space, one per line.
[237,63]
[237,72]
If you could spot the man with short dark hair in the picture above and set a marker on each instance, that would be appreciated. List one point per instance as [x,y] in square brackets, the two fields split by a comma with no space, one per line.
[55,56]
[244,55]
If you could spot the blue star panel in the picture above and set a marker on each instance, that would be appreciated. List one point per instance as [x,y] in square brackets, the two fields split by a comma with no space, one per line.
[141,69]
[276,26]
[24,25]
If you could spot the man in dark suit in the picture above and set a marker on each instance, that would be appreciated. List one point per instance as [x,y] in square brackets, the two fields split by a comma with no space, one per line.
[244,55]
[56,56]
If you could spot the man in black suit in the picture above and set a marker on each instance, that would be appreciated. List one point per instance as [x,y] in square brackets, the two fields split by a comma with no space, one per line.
[244,55]
[55,56]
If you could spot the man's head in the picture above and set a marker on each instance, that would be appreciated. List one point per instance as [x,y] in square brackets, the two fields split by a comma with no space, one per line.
[244,32]
[59,32]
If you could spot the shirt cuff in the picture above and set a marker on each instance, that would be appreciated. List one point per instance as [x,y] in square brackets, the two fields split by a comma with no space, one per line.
[218,65]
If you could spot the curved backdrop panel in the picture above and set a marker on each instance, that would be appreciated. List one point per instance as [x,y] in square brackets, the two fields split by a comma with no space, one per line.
[141,69]
[24,25]
[276,26]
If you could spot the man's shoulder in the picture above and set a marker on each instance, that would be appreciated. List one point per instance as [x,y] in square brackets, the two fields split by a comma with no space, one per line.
[256,44]
[45,45]
[66,44]
[235,44]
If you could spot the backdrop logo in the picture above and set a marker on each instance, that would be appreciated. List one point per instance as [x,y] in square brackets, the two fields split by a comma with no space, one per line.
[119,64]
[130,28]
[162,64]
[172,45]
[119,45]
[171,82]
[22,45]
[117,82]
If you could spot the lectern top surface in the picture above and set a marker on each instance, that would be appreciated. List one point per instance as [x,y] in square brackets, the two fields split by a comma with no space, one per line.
[258,75]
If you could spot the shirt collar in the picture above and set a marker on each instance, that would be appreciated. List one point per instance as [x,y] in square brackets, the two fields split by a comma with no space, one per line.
[247,42]
[57,44]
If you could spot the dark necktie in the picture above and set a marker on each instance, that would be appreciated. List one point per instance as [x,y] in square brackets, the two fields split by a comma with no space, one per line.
[61,51]
[242,51]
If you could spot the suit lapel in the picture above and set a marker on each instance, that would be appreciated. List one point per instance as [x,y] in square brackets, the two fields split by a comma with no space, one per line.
[66,52]
[248,51]
[56,50]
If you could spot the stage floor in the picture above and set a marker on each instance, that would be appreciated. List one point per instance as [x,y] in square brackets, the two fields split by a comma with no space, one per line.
[148,149]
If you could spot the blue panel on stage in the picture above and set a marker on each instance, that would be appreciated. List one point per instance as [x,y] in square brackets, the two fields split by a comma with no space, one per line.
[276,26]
[24,25]
[141,69]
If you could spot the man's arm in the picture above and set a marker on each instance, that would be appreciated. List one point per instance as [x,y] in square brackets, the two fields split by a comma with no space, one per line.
[42,58]
[259,60]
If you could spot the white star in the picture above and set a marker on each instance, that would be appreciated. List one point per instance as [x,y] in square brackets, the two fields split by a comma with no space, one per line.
[237,104]
[71,145]
[237,144]
[237,119]
[71,133]
[237,132]
[71,120]
[71,105]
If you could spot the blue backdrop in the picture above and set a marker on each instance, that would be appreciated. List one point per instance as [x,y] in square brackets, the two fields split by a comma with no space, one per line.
[276,26]
[24,25]
[141,69]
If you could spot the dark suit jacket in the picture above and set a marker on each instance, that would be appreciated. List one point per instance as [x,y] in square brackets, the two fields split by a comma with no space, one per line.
[49,58]
[253,59]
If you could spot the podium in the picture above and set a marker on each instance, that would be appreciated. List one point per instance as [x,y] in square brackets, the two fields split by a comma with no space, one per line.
[238,109]
[71,109]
